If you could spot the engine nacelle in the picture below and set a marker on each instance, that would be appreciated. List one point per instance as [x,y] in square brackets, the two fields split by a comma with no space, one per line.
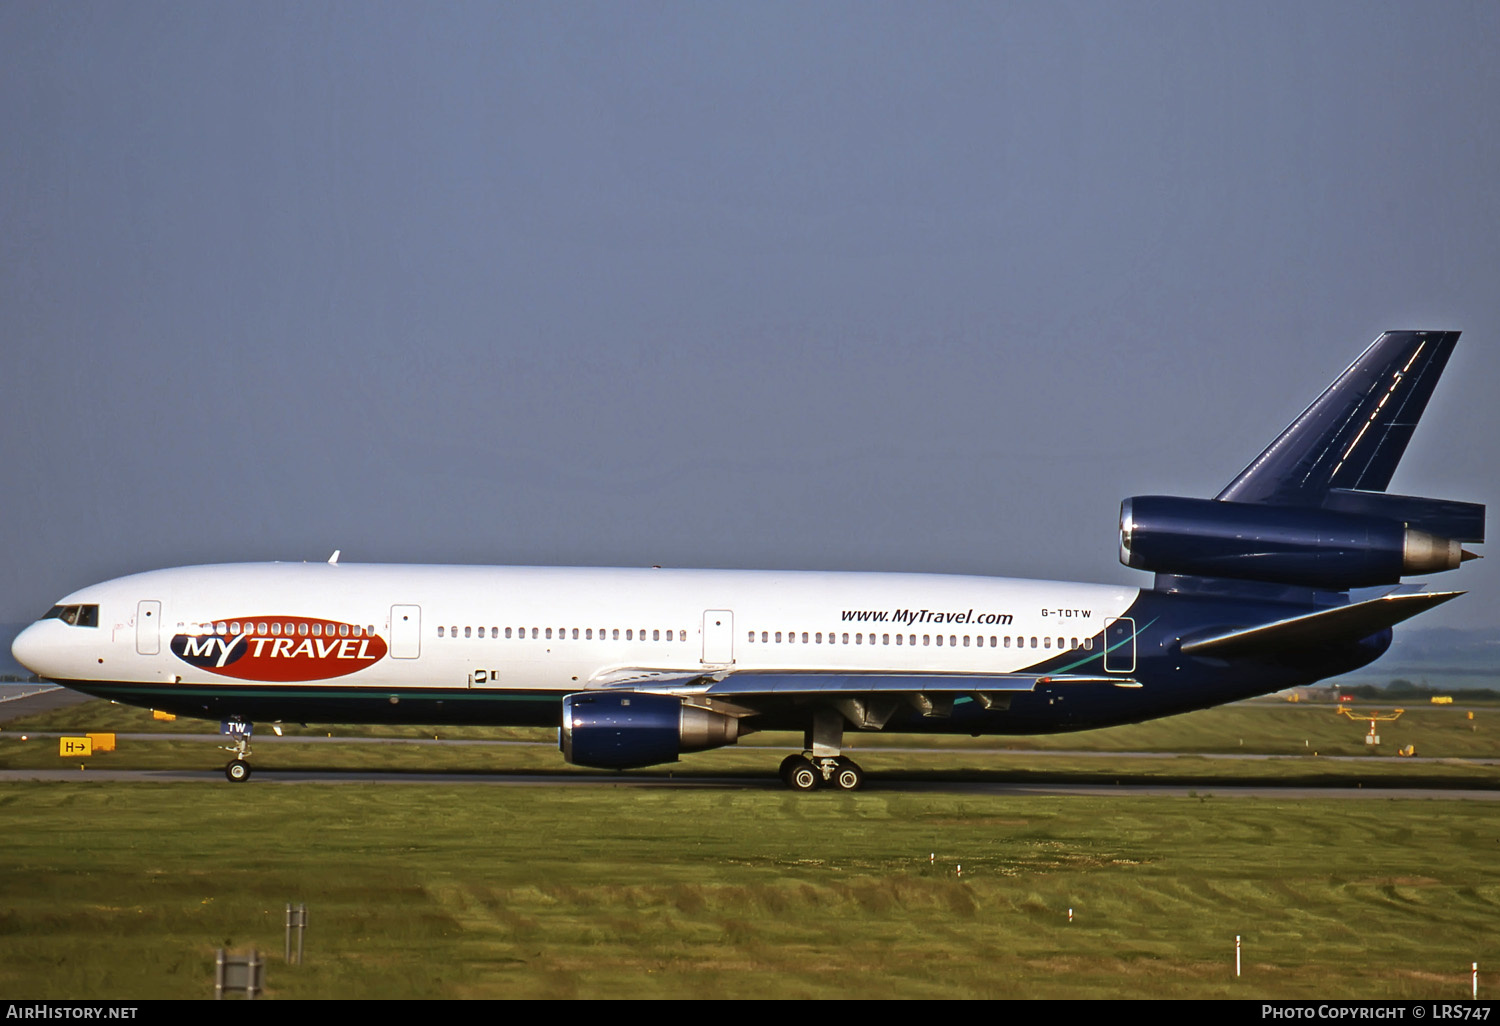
[1317,548]
[626,730]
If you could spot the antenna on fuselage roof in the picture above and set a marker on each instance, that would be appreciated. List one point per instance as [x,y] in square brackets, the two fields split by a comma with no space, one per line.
[333,560]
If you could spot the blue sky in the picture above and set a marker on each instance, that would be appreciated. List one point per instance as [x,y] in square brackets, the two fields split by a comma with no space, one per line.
[835,285]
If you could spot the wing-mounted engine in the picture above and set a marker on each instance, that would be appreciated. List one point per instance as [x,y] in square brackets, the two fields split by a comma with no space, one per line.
[1319,548]
[627,730]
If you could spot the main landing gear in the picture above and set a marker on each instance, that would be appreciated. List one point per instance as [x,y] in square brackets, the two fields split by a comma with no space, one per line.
[822,762]
[806,773]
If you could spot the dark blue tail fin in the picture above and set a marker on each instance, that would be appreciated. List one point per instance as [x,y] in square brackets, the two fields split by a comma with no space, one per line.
[1355,433]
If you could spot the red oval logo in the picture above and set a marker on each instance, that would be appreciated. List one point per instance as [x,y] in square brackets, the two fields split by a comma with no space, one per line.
[280,648]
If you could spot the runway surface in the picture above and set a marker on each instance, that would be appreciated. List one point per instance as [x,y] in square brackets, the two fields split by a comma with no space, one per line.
[18,700]
[874,785]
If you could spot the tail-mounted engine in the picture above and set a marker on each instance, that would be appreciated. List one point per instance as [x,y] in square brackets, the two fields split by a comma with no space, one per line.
[1322,548]
[625,730]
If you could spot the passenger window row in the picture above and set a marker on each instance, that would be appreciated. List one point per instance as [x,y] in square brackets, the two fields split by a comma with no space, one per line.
[951,640]
[562,633]
[277,629]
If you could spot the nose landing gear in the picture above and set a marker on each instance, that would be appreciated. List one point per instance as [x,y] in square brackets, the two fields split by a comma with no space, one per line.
[238,770]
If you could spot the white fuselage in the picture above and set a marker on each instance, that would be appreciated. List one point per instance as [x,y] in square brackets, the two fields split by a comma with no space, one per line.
[551,629]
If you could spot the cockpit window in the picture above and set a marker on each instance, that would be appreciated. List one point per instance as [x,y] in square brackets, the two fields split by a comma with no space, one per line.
[77,616]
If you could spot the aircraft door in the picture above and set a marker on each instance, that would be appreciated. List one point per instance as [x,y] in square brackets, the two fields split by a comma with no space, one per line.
[406,632]
[1119,644]
[148,627]
[718,637]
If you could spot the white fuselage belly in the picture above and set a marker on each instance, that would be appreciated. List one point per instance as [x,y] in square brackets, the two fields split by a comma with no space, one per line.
[566,629]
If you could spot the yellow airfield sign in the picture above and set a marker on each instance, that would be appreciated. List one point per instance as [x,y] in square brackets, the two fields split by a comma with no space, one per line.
[74,747]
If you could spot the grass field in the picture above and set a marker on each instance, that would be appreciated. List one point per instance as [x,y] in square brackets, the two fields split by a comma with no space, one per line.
[126,890]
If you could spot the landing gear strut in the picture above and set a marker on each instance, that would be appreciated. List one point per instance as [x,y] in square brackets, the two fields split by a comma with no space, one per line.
[822,763]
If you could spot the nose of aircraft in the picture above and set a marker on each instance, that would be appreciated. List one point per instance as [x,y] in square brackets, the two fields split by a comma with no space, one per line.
[30,649]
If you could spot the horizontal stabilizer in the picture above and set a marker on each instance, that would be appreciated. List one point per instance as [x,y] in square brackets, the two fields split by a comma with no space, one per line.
[1445,518]
[1340,625]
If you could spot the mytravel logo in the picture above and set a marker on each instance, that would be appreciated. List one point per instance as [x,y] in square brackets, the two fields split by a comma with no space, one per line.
[280,648]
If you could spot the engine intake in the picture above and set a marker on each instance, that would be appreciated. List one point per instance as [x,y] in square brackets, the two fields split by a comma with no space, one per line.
[1318,548]
[627,730]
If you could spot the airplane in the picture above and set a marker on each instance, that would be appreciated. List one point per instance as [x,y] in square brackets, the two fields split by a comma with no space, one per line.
[1291,574]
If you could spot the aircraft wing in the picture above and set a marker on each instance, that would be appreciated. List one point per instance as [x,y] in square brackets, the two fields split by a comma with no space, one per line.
[769,682]
[749,684]
[1339,625]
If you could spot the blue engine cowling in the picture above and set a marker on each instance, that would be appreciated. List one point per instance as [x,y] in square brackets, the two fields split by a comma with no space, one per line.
[626,730]
[1317,548]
